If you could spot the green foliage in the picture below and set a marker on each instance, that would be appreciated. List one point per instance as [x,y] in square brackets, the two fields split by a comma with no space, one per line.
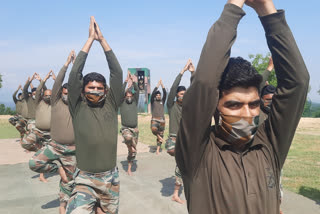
[307,108]
[260,62]
[0,80]
[6,110]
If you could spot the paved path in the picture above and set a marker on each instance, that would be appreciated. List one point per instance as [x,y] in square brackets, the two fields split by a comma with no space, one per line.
[148,191]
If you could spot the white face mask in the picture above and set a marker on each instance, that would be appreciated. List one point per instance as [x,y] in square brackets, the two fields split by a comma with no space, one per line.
[65,99]
[34,97]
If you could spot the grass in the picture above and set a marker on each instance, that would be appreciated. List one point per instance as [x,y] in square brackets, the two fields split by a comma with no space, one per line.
[301,172]
[7,130]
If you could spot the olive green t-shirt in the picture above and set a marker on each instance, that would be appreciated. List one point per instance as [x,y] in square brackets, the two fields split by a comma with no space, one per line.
[129,112]
[95,128]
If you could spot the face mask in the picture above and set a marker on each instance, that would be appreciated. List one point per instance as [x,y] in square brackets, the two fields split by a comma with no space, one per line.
[238,131]
[129,100]
[47,99]
[64,99]
[95,97]
[179,100]
[266,105]
[34,97]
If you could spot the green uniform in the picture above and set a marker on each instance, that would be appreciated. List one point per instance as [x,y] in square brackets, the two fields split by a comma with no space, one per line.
[129,121]
[18,121]
[31,103]
[217,179]
[95,128]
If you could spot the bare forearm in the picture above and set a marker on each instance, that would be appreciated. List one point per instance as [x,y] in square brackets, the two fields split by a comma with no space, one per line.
[105,45]
[87,45]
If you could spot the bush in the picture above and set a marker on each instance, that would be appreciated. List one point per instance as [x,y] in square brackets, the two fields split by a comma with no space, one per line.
[6,110]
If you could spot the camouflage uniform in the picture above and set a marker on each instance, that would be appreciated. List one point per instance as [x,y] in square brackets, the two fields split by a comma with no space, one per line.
[20,123]
[130,136]
[95,189]
[157,127]
[170,146]
[52,156]
[35,138]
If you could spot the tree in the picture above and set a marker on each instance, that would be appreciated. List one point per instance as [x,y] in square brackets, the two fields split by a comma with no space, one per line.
[0,80]
[6,110]
[260,63]
[307,106]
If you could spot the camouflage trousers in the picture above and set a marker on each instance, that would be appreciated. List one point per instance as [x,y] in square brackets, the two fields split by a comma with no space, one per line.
[171,144]
[130,138]
[177,173]
[52,156]
[20,123]
[35,138]
[94,190]
[157,127]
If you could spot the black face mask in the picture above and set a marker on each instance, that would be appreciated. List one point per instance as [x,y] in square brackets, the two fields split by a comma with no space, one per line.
[266,105]
[46,99]
[129,100]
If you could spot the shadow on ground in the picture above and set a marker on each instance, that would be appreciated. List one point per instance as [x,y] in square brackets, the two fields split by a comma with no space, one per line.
[311,193]
[46,175]
[51,204]
[134,166]
[168,186]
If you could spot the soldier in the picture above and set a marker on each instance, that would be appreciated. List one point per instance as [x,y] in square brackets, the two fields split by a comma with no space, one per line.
[94,111]
[174,104]
[21,108]
[59,153]
[40,134]
[129,120]
[234,167]
[158,122]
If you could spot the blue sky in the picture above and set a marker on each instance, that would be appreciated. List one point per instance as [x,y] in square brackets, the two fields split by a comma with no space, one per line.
[37,36]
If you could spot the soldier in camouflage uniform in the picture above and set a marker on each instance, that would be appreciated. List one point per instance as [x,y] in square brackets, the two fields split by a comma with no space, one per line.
[59,153]
[94,111]
[174,104]
[21,108]
[157,109]
[129,120]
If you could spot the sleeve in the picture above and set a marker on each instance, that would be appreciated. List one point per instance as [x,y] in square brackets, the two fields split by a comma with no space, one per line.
[173,90]
[25,91]
[57,86]
[75,82]
[201,98]
[136,92]
[38,92]
[115,77]
[293,81]
[164,95]
[14,96]
[265,76]
[153,95]
[124,85]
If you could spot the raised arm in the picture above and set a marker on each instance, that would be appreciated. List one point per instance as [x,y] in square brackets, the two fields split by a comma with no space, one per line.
[41,86]
[14,96]
[57,86]
[173,90]
[153,95]
[265,75]
[293,80]
[201,98]
[164,93]
[136,92]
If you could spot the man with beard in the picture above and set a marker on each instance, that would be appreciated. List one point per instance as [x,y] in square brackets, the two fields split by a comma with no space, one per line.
[21,108]
[94,112]
[158,122]
[174,109]
[59,153]
[234,166]
[129,120]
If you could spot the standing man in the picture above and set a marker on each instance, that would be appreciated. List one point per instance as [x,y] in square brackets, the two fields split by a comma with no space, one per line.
[234,167]
[158,122]
[21,108]
[129,120]
[94,112]
[174,104]
[59,153]
[39,136]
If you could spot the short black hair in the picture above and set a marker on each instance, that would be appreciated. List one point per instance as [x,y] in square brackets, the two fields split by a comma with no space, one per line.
[268,89]
[19,94]
[157,92]
[94,76]
[239,73]
[181,88]
[33,89]
[65,85]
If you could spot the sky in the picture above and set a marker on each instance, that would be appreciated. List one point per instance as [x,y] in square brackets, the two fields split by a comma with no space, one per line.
[37,36]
